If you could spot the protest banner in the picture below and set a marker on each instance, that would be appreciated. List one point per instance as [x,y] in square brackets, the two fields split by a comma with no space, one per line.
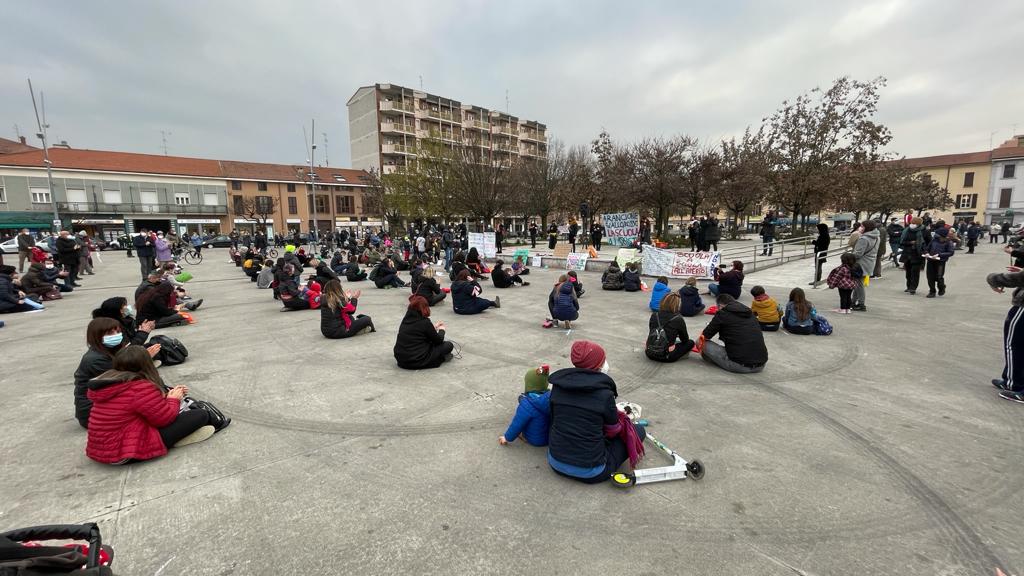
[576,262]
[621,228]
[484,244]
[521,253]
[658,262]
[625,256]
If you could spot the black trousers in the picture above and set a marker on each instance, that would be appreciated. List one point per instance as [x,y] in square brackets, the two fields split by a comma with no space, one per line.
[817,269]
[358,323]
[680,351]
[770,326]
[800,330]
[913,272]
[1013,348]
[186,423]
[935,272]
[615,455]
[436,299]
[533,241]
[845,298]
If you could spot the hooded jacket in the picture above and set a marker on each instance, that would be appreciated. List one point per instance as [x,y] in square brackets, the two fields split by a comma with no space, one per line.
[127,414]
[500,278]
[822,242]
[937,247]
[612,278]
[417,338]
[691,302]
[582,403]
[736,325]
[8,293]
[730,282]
[33,280]
[866,250]
[659,292]
[335,322]
[766,309]
[463,294]
[66,250]
[631,280]
[566,306]
[532,419]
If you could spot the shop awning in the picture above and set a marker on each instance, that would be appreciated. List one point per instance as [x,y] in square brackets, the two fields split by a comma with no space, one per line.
[26,220]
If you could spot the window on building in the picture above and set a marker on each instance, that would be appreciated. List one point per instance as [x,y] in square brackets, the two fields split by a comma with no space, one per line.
[1005,195]
[322,205]
[111,196]
[966,200]
[76,196]
[236,185]
[291,187]
[182,199]
[210,198]
[969,180]
[3,196]
[40,195]
[343,204]
[264,204]
[149,197]
[293,205]
[261,186]
[238,204]
[1009,170]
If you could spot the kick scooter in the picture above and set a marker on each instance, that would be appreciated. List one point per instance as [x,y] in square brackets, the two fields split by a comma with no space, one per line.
[678,470]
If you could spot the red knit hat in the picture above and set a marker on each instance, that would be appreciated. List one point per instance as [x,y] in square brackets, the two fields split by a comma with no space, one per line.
[587,354]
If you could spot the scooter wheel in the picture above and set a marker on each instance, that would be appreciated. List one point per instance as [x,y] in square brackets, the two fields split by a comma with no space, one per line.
[695,468]
[620,480]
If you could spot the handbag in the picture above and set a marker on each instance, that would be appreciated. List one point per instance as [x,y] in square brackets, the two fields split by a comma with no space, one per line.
[172,351]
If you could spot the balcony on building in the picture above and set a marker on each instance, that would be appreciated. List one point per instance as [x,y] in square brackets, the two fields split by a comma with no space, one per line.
[89,207]
[399,127]
[528,134]
[395,106]
[397,149]
[476,125]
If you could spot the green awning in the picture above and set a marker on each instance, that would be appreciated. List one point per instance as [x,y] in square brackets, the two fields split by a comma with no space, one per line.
[26,220]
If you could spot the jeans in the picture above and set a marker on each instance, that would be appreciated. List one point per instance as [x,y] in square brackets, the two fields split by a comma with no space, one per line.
[615,455]
[448,253]
[768,246]
[717,355]
[770,326]
[713,288]
[146,264]
[858,294]
[799,330]
[477,306]
[22,256]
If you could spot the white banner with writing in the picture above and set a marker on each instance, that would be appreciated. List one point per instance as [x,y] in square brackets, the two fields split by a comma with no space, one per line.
[658,262]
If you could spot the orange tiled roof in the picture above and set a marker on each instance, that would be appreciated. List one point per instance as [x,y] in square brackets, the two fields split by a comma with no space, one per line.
[1008,152]
[14,147]
[949,160]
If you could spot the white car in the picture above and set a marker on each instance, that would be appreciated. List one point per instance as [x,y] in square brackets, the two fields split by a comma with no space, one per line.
[11,246]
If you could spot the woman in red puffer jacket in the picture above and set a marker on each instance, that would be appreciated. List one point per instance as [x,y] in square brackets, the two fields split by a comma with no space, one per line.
[132,418]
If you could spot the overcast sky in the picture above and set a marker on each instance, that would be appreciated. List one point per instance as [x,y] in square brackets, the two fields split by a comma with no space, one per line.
[239,79]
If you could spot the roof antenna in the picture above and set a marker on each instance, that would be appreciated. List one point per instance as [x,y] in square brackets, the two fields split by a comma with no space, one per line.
[507,107]
[163,137]
[421,82]
[327,161]
[17,131]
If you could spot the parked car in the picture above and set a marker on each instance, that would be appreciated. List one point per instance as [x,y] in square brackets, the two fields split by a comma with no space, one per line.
[11,246]
[220,241]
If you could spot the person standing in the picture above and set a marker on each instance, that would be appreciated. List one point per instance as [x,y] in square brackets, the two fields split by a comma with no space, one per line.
[233,236]
[820,244]
[552,236]
[912,253]
[1013,339]
[993,233]
[499,235]
[574,229]
[973,231]
[597,235]
[25,245]
[260,241]
[866,251]
[144,250]
[894,231]
[67,252]
[84,259]
[533,235]
[1004,228]
[939,251]
[883,242]
[768,233]
[712,235]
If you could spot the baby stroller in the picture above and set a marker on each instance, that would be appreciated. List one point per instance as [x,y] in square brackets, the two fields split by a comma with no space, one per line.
[20,555]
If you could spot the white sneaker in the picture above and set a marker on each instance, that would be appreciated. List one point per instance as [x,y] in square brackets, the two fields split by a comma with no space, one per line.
[199,435]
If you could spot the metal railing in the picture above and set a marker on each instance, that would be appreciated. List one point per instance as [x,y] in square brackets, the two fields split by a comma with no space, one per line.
[779,252]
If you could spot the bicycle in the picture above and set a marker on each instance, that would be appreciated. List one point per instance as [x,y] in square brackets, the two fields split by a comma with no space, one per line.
[190,255]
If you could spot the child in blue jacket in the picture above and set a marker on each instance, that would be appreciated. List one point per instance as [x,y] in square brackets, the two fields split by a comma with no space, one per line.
[533,415]
[658,292]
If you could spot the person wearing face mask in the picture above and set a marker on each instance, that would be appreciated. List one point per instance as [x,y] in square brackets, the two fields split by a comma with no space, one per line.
[866,251]
[912,253]
[52,274]
[163,250]
[105,338]
[585,441]
[119,309]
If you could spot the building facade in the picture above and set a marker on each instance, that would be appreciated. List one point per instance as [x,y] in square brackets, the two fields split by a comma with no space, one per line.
[1006,191]
[966,176]
[388,123]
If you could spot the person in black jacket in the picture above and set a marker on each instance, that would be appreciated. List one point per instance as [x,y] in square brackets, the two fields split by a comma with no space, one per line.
[386,275]
[155,304]
[583,416]
[67,252]
[428,287]
[105,338]
[820,244]
[323,272]
[421,344]
[744,351]
[118,309]
[353,273]
[631,278]
[338,318]
[145,251]
[668,319]
[11,299]
[502,279]
[466,296]
[459,264]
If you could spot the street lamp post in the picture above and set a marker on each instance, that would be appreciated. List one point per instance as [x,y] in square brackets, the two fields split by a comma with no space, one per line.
[46,154]
[312,186]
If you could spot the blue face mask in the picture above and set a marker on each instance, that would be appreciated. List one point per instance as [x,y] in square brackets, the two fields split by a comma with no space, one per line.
[113,340]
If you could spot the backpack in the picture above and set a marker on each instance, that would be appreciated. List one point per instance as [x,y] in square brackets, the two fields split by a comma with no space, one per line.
[217,418]
[172,351]
[822,327]
[657,340]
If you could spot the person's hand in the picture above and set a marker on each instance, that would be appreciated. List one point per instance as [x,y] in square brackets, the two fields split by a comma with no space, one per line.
[153,350]
[148,326]
[998,289]
[21,294]
[178,392]
[1008,249]
[21,301]
[1013,268]
[502,441]
[439,325]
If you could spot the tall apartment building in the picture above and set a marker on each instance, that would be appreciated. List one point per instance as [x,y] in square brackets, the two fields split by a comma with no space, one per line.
[388,122]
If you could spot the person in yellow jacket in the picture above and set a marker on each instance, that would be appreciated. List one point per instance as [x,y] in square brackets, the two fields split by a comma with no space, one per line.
[767,310]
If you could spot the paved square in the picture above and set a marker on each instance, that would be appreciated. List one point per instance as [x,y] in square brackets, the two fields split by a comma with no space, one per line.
[881,449]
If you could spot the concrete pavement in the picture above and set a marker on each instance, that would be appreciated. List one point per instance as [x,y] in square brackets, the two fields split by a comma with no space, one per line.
[881,449]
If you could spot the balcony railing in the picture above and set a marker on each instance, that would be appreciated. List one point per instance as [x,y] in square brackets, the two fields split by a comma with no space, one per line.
[397,127]
[504,129]
[435,114]
[507,148]
[397,149]
[531,135]
[141,208]
[476,124]
[391,106]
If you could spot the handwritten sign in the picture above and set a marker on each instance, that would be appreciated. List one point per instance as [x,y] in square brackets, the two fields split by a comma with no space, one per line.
[621,228]
[659,262]
[625,256]
[484,243]
[576,262]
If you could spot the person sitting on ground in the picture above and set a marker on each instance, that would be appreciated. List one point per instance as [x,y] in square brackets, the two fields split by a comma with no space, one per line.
[519,266]
[35,286]
[659,291]
[105,337]
[466,296]
[844,278]
[311,293]
[56,276]
[266,276]
[290,293]
[533,412]
[730,282]
[302,257]
[586,442]
[386,275]
[290,257]
[154,278]
[353,273]
[338,318]
[474,262]
[421,344]
[503,279]
[577,284]
[133,418]
[160,305]
[323,272]
[691,304]
[676,343]
[800,314]
[744,351]
[766,309]
[631,278]
[562,302]
[338,263]
[419,265]
[459,264]
[118,308]
[251,264]
[612,277]
[429,289]
[180,292]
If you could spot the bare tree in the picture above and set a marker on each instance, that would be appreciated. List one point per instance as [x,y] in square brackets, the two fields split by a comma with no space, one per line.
[257,209]
[388,196]
[482,185]
[701,175]
[658,168]
[540,184]
[745,174]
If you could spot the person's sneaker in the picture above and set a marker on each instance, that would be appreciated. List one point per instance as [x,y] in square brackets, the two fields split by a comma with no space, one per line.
[497,301]
[906,289]
[199,435]
[860,308]
[1000,383]
[1013,396]
[930,295]
[911,292]
[548,323]
[526,283]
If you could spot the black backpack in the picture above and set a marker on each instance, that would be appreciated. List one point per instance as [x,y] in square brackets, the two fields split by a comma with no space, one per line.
[172,351]
[657,340]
